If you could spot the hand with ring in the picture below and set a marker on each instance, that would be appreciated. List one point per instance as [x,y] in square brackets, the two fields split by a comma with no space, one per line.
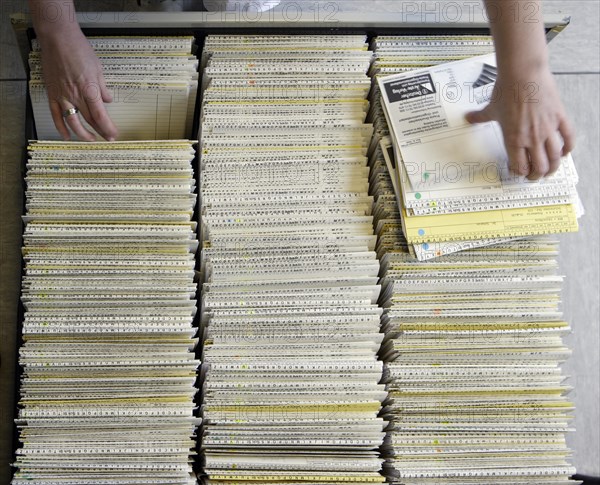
[72,75]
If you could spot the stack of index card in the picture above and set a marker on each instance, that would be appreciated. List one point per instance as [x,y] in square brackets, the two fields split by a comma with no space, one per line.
[289,306]
[109,370]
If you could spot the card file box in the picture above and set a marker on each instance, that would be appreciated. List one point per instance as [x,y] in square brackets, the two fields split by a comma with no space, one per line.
[201,25]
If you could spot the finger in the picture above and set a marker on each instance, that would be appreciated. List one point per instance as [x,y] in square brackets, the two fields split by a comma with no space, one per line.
[539,165]
[85,114]
[480,116]
[59,121]
[568,135]
[101,120]
[74,123]
[518,160]
[553,153]
[106,96]
[94,111]
[68,90]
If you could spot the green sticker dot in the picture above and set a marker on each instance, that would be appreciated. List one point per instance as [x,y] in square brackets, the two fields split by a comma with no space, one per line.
[417,195]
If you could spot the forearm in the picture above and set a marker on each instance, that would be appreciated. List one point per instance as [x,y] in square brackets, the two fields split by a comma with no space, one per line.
[519,38]
[53,18]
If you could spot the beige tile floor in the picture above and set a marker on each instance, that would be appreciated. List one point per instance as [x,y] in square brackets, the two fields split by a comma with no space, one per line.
[575,58]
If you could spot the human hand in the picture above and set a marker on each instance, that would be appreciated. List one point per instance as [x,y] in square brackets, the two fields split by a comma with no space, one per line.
[527,105]
[73,77]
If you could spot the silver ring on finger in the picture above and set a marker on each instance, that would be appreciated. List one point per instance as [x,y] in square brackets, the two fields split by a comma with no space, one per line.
[69,112]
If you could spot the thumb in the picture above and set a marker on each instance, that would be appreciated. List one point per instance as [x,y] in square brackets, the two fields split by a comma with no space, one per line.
[480,116]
